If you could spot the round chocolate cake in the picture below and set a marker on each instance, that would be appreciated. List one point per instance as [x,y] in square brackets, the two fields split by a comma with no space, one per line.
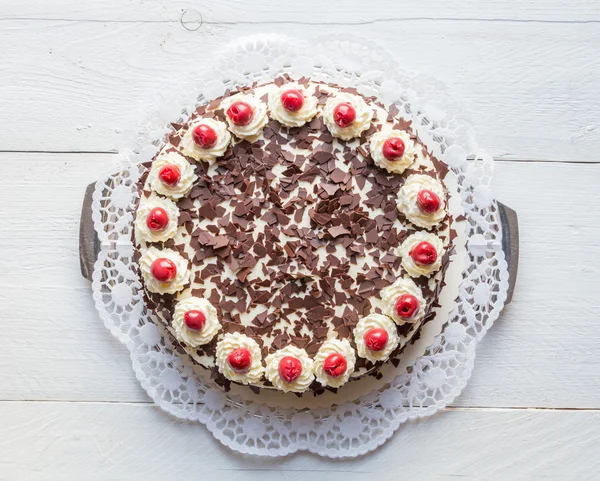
[293,235]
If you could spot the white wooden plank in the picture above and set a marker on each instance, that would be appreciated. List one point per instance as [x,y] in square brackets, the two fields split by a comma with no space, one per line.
[310,11]
[531,87]
[72,441]
[542,352]
[51,329]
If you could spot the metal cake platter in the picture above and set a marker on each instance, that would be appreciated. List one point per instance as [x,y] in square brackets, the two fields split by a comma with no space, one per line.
[89,243]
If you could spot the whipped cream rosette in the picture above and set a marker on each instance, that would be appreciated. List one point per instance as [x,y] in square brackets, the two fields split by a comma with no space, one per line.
[376,337]
[292,105]
[205,139]
[422,200]
[347,115]
[246,115]
[195,321]
[394,150]
[403,301]
[239,358]
[334,363]
[164,271]
[421,254]
[171,175]
[156,219]
[290,369]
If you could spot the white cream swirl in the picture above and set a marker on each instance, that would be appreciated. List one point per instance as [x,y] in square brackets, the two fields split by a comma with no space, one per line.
[411,151]
[390,295]
[232,341]
[194,337]
[407,200]
[181,278]
[272,371]
[364,114]
[143,232]
[186,171]
[413,268]
[192,149]
[334,346]
[287,118]
[375,321]
[257,122]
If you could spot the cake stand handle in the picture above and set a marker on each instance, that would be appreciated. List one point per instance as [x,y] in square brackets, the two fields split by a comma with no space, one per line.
[510,245]
[89,244]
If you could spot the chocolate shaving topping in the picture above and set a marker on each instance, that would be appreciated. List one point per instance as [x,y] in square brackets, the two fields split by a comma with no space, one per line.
[290,237]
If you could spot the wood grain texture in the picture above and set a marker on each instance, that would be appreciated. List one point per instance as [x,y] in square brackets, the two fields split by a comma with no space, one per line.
[531,86]
[75,77]
[122,442]
[306,12]
[543,352]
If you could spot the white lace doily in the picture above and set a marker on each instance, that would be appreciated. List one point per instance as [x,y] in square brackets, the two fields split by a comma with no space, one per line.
[352,428]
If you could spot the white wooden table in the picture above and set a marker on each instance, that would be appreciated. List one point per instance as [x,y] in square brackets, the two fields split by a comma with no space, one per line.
[72,76]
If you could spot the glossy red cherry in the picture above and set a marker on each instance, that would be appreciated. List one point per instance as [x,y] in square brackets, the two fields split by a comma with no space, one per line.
[169,175]
[344,114]
[406,306]
[292,100]
[335,365]
[194,319]
[393,148]
[240,113]
[376,339]
[428,201]
[240,359]
[204,136]
[163,269]
[424,253]
[290,368]
[157,219]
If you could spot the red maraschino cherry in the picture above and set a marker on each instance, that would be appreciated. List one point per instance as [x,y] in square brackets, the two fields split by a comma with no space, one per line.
[424,253]
[406,306]
[428,201]
[240,359]
[169,175]
[376,339]
[292,100]
[240,113]
[335,365]
[194,319]
[290,368]
[344,114]
[204,136]
[163,269]
[393,149]
[157,219]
